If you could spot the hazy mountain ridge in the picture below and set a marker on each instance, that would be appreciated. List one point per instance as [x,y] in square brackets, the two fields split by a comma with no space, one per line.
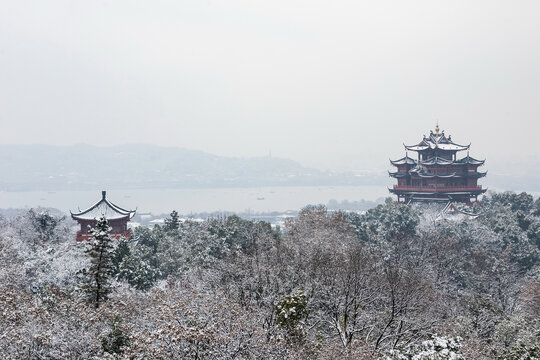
[131,166]
[79,167]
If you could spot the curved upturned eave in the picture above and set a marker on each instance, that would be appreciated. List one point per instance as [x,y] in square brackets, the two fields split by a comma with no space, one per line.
[477,174]
[448,176]
[122,213]
[471,161]
[436,160]
[396,174]
[118,208]
[416,147]
[457,147]
[403,161]
[430,145]
[87,210]
[125,217]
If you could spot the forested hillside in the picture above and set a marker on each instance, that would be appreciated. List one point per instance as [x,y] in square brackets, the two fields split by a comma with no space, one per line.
[397,282]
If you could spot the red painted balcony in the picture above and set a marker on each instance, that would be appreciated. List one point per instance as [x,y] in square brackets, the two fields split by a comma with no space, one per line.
[432,188]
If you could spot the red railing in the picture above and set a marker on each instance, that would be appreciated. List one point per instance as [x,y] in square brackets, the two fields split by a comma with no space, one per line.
[431,188]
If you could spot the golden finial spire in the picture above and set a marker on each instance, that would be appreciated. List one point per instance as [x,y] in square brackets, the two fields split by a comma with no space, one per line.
[437,128]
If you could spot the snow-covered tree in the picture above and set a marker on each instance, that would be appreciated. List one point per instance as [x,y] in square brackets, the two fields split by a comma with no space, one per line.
[172,223]
[388,222]
[136,266]
[116,341]
[44,223]
[291,310]
[436,348]
[97,278]
[372,283]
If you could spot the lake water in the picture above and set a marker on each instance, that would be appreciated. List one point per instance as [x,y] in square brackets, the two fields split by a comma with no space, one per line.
[185,201]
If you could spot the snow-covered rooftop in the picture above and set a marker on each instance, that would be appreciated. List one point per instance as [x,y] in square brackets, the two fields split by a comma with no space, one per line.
[103,208]
[470,160]
[437,141]
[404,160]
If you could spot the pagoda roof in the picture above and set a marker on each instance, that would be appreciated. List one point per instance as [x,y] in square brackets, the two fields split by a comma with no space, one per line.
[480,174]
[421,171]
[436,160]
[418,169]
[437,141]
[452,175]
[429,175]
[103,208]
[470,160]
[397,174]
[405,160]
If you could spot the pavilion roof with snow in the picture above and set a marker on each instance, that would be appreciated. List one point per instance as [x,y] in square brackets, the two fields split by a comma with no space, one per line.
[105,208]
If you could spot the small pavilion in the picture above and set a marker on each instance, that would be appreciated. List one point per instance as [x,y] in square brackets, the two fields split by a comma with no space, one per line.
[116,216]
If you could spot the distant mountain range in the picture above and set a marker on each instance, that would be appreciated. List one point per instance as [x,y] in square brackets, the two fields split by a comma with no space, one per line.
[137,166]
[86,167]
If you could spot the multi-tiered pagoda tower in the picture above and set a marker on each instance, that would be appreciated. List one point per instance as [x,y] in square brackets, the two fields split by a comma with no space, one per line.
[436,174]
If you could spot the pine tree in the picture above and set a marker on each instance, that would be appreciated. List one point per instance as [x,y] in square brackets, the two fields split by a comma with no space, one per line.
[98,276]
[173,222]
[116,340]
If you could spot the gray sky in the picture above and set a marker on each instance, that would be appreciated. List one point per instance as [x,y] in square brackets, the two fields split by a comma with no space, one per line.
[333,84]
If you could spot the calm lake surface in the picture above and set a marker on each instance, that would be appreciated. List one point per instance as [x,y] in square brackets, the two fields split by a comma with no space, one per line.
[185,201]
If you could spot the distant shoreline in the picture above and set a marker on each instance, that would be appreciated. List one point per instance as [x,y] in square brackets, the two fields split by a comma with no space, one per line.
[198,200]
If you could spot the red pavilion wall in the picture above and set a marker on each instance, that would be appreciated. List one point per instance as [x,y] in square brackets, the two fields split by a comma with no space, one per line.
[118,229]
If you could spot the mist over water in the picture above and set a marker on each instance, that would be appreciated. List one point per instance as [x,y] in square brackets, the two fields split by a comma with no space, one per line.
[186,201]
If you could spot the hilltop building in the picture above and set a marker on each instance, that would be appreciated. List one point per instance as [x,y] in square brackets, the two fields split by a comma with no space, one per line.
[436,174]
[116,216]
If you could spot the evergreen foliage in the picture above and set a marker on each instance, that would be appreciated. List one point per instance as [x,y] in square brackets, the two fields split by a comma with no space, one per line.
[172,223]
[374,286]
[97,278]
[291,311]
[116,341]
[44,223]
[137,270]
[386,222]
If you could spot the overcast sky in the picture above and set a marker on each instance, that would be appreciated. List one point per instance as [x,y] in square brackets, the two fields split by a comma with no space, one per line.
[333,84]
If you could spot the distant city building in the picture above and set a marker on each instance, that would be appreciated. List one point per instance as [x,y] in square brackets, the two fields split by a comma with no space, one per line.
[115,215]
[436,174]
